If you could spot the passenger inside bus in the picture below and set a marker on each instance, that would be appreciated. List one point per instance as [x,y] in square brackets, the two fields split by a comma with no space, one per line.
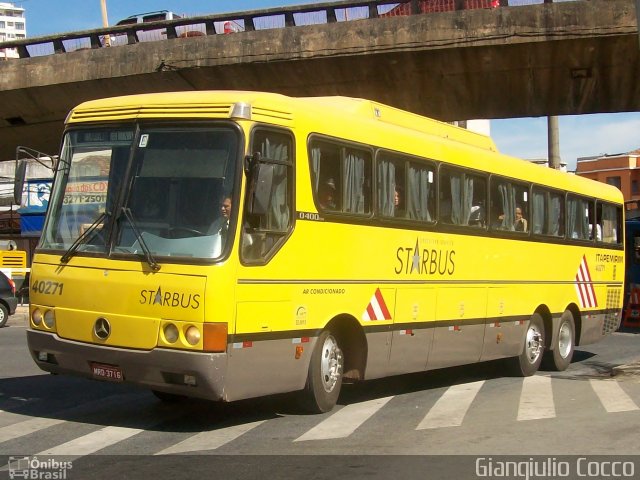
[327,195]
[521,222]
[398,202]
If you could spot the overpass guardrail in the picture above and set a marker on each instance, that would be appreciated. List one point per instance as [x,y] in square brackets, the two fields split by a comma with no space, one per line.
[278,17]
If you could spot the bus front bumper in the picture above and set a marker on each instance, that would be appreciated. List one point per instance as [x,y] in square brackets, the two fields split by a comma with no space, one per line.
[193,374]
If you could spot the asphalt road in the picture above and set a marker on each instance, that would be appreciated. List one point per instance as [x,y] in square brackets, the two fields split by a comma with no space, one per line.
[431,425]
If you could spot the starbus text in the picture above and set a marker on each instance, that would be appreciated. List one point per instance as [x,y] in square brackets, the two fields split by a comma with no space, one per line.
[425,262]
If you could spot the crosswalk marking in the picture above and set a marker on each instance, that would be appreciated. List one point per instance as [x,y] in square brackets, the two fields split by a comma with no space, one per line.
[92,442]
[345,421]
[32,425]
[536,399]
[450,409]
[612,396]
[26,427]
[210,440]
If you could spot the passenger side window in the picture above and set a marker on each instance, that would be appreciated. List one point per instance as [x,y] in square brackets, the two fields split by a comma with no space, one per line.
[580,216]
[406,189]
[509,205]
[463,197]
[265,228]
[341,176]
[609,224]
[547,212]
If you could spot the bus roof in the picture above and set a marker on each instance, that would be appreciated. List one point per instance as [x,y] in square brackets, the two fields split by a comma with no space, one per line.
[338,113]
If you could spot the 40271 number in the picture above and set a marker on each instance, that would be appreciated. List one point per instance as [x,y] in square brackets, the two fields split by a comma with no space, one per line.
[47,287]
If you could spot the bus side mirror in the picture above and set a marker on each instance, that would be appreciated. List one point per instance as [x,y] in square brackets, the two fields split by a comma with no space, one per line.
[261,183]
[250,161]
[18,186]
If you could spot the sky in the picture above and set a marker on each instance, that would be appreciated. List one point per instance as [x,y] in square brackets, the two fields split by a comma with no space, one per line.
[580,135]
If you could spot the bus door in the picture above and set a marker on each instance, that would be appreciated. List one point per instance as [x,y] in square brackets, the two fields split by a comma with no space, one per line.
[503,338]
[459,334]
[412,333]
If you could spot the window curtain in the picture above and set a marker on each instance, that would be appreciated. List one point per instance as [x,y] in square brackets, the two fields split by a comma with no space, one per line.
[584,220]
[609,224]
[456,198]
[555,216]
[418,194]
[386,188]
[538,213]
[508,194]
[278,216]
[577,220]
[353,191]
[467,199]
[315,165]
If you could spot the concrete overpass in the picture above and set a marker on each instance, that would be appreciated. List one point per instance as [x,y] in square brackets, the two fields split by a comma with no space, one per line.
[545,59]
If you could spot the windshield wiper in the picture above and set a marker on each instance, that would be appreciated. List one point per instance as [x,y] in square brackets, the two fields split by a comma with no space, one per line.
[83,238]
[147,253]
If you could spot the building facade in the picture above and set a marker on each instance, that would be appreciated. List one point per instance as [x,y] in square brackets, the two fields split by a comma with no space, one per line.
[621,170]
[13,26]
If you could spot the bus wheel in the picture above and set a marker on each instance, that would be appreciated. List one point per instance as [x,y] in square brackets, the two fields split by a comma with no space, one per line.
[4,315]
[528,362]
[324,379]
[560,357]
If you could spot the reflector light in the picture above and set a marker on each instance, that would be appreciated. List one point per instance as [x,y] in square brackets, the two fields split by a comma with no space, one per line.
[215,337]
[190,380]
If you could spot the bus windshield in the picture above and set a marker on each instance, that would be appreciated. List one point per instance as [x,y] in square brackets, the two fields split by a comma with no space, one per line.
[160,191]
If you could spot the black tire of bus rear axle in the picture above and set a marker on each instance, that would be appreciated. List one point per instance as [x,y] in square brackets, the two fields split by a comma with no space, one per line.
[324,382]
[559,358]
[528,362]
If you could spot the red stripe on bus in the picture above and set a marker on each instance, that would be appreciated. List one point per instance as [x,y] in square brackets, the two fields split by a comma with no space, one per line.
[382,305]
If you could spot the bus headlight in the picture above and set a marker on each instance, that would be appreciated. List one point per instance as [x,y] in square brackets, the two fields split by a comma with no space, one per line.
[192,335]
[49,319]
[171,333]
[36,317]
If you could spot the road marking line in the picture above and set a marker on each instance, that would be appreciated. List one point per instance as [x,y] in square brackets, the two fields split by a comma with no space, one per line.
[451,407]
[92,442]
[26,427]
[210,440]
[32,425]
[345,421]
[612,396]
[536,399]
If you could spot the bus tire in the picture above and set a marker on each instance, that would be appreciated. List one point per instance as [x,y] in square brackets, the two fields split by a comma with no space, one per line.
[528,362]
[559,358]
[168,397]
[4,315]
[324,379]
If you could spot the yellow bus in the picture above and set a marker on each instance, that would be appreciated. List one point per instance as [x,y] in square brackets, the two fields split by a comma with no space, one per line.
[228,245]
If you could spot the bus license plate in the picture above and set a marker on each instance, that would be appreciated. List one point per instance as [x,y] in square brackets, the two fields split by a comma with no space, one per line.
[107,372]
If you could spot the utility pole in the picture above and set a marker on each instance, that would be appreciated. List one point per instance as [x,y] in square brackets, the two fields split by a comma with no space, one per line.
[553,140]
[105,22]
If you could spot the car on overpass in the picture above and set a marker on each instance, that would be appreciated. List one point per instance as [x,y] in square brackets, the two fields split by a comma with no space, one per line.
[152,34]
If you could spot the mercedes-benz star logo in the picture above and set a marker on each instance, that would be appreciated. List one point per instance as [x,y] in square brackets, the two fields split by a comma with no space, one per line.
[102,328]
